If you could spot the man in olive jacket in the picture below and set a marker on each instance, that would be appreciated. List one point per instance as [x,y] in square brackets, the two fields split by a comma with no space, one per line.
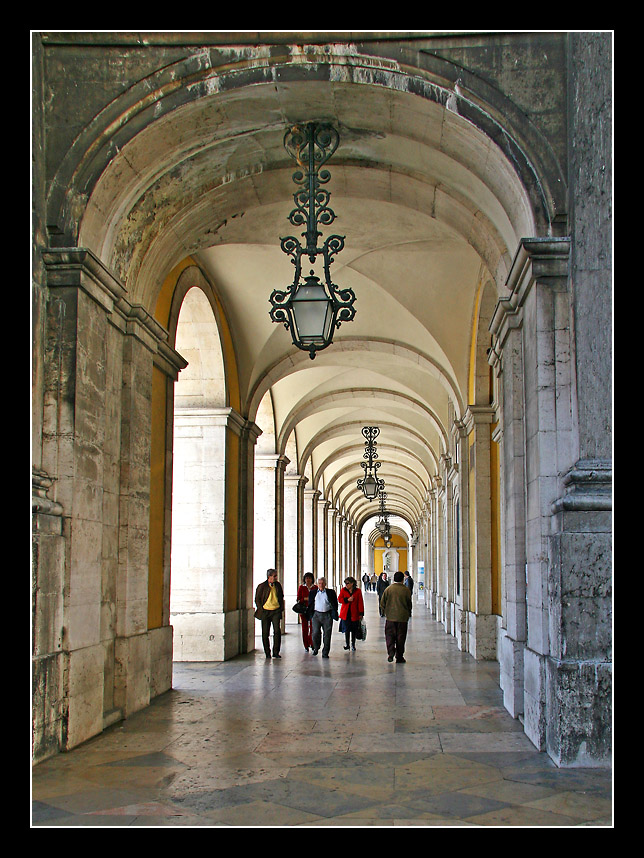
[395,604]
[269,599]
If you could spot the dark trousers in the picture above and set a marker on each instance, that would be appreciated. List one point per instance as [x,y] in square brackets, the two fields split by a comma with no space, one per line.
[395,637]
[272,618]
[322,622]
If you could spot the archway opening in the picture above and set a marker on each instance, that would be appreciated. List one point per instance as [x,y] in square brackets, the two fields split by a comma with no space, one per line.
[198,496]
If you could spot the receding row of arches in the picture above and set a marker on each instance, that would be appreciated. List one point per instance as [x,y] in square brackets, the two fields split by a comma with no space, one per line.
[326,532]
[184,445]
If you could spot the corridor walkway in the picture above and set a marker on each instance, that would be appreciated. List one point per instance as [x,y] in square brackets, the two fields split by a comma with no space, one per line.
[347,741]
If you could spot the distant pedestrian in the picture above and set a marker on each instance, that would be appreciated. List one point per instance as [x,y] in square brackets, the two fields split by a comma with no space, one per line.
[303,598]
[396,605]
[351,611]
[381,586]
[366,581]
[409,581]
[323,609]
[269,601]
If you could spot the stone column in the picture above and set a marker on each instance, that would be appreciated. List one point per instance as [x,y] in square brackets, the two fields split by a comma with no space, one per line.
[333,546]
[441,553]
[293,533]
[310,510]
[431,546]
[514,628]
[323,539]
[97,390]
[48,573]
[204,531]
[264,536]
[341,551]
[482,623]
[567,656]
[241,619]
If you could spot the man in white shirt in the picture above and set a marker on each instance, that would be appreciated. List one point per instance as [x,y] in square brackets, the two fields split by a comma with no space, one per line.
[323,609]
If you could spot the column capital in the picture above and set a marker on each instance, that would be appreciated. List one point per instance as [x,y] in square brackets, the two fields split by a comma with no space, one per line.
[79,268]
[224,416]
[41,482]
[536,259]
[477,415]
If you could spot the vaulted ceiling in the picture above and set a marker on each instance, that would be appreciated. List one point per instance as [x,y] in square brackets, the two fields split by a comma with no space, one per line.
[431,211]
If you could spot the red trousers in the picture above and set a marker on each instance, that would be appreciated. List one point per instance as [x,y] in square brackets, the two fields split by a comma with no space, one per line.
[306,631]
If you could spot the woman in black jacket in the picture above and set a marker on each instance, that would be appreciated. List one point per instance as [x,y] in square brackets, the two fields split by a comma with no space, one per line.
[381,586]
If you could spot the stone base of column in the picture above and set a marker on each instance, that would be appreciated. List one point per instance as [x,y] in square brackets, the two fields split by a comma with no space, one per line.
[511,672]
[49,721]
[534,698]
[448,616]
[213,636]
[431,601]
[460,628]
[83,701]
[131,673]
[160,660]
[579,701]
[482,633]
[578,671]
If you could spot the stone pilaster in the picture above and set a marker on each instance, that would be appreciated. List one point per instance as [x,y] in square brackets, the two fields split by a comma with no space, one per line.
[100,350]
[323,539]
[269,515]
[293,536]
[513,634]
[48,576]
[310,515]
[565,519]
[482,624]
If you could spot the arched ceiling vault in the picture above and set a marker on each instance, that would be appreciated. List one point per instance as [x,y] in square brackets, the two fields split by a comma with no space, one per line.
[431,208]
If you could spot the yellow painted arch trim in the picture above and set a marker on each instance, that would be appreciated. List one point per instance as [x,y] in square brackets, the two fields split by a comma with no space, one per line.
[162,315]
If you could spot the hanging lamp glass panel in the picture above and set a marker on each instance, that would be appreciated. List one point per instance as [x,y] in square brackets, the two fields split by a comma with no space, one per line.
[312,312]
[370,487]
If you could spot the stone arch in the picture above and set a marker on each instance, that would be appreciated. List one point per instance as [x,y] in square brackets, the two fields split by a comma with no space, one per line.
[198,77]
[480,383]
[265,419]
[200,464]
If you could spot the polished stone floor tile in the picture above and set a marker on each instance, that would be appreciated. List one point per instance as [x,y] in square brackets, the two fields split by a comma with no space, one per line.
[349,741]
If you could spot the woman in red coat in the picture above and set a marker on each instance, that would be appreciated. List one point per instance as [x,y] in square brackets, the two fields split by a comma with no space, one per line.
[303,597]
[351,610]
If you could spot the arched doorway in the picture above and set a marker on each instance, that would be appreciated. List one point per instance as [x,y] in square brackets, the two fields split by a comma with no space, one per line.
[198,486]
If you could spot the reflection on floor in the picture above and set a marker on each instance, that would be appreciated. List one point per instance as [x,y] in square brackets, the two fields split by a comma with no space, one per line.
[352,740]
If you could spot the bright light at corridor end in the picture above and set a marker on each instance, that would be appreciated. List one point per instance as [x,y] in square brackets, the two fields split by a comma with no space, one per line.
[312,309]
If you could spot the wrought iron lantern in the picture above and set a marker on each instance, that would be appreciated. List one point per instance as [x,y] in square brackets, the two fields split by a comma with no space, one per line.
[312,306]
[371,484]
[383,522]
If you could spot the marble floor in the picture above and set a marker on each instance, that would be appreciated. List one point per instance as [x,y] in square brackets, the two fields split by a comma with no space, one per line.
[348,741]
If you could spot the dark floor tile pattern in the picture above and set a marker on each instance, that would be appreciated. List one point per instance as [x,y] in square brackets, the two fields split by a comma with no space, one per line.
[352,741]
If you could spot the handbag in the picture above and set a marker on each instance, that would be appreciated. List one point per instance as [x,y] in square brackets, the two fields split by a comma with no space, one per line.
[300,608]
[363,631]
